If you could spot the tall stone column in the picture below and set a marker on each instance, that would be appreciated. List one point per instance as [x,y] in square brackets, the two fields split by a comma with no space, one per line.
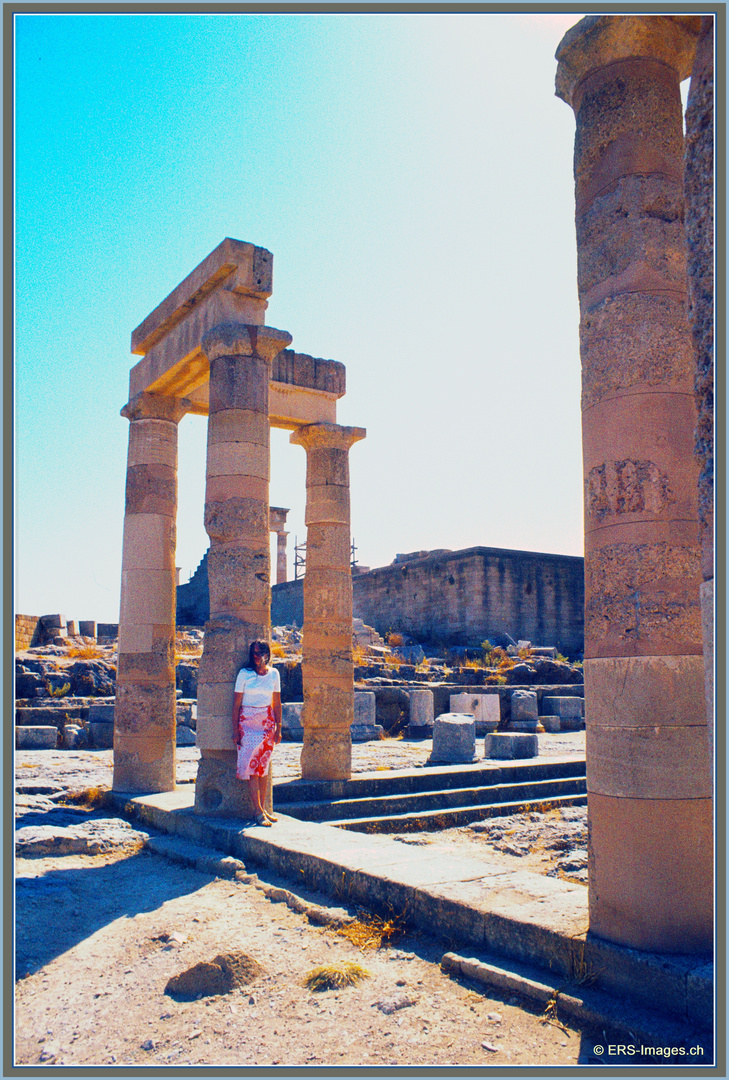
[144,716]
[278,517]
[648,774]
[236,520]
[699,184]
[328,667]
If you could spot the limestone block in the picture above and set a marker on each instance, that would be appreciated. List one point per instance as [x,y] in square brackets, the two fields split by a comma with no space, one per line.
[151,489]
[219,791]
[221,488]
[147,596]
[102,735]
[562,706]
[152,442]
[238,382]
[646,689]
[237,518]
[503,745]
[326,754]
[149,542]
[238,577]
[656,762]
[551,723]
[51,622]
[327,504]
[366,732]
[364,708]
[454,738]
[101,713]
[136,638]
[184,736]
[143,764]
[87,628]
[74,737]
[524,705]
[327,546]
[239,425]
[655,893]
[71,628]
[484,708]
[422,712]
[36,738]
[238,459]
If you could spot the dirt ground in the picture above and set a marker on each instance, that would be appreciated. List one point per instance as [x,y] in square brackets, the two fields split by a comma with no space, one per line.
[98,938]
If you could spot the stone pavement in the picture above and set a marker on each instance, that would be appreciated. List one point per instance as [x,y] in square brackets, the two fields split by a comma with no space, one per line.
[539,923]
[79,769]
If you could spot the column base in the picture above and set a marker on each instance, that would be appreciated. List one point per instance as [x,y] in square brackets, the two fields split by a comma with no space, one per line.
[326,755]
[218,790]
[651,873]
[143,764]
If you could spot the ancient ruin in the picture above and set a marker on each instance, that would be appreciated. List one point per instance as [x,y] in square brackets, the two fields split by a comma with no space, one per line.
[205,349]
[648,762]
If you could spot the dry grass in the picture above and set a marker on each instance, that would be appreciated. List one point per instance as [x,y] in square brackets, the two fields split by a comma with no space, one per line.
[394,640]
[86,652]
[359,655]
[333,976]
[370,931]
[92,797]
[278,651]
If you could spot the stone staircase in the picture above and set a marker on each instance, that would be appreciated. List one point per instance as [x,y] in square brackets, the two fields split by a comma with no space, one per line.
[434,798]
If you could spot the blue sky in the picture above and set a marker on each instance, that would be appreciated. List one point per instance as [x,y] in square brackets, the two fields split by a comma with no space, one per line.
[412,175]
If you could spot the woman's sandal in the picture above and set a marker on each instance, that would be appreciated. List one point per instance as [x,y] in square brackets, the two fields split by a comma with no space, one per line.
[261,819]
[271,817]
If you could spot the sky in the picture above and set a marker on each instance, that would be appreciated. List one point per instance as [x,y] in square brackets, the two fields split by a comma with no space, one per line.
[412,175]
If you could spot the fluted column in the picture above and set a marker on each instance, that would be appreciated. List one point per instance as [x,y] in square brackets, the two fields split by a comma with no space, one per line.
[648,775]
[236,520]
[327,668]
[144,716]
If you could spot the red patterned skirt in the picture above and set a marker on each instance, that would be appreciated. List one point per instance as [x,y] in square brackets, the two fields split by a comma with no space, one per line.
[256,729]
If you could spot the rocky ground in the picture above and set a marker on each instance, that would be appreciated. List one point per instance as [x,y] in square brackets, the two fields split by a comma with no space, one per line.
[103,922]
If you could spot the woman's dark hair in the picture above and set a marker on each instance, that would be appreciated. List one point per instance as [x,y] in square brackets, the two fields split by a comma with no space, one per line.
[263,647]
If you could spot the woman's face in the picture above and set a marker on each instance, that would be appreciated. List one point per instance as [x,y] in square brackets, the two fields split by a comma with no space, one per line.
[260,657]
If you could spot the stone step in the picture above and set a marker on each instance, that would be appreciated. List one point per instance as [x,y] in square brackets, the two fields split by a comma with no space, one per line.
[419,803]
[445,819]
[431,778]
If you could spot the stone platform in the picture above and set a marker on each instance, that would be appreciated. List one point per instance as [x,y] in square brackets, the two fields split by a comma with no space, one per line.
[526,917]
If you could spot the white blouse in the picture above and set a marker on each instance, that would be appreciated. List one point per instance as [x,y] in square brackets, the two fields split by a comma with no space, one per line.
[258,690]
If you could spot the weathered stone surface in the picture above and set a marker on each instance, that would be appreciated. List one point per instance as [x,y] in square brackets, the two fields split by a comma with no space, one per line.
[101,735]
[88,838]
[562,706]
[75,737]
[364,708]
[92,678]
[36,738]
[484,708]
[524,705]
[505,745]
[422,712]
[454,738]
[326,753]
[226,972]
[185,736]
[550,723]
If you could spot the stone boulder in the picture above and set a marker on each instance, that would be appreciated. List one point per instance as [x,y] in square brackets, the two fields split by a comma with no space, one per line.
[226,972]
[92,678]
[186,678]
[454,739]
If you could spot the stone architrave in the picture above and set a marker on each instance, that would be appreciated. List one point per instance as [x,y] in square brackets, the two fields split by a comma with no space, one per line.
[648,772]
[144,716]
[327,664]
[236,520]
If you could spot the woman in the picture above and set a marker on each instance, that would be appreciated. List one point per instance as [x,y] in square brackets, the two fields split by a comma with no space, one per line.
[257,724]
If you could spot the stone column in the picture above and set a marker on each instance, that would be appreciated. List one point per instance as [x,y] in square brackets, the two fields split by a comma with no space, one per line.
[278,521]
[236,520]
[144,716]
[649,781]
[699,184]
[328,668]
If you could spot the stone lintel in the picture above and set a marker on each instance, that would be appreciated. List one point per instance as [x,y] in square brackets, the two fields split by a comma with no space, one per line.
[245,268]
[599,40]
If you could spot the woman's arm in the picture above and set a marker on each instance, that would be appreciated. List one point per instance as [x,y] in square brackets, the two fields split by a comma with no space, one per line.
[277,714]
[237,699]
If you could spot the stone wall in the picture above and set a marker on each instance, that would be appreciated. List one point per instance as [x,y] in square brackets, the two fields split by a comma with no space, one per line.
[466,596]
[25,630]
